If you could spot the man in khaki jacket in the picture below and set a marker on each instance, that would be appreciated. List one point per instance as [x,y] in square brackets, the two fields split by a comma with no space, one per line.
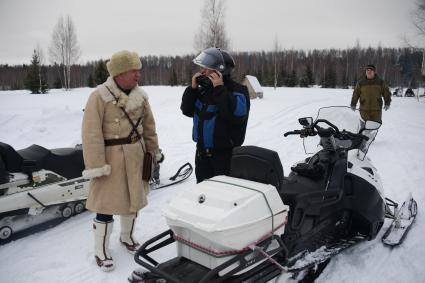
[113,148]
[370,90]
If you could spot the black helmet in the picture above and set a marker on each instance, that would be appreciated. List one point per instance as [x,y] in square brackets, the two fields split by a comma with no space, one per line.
[215,59]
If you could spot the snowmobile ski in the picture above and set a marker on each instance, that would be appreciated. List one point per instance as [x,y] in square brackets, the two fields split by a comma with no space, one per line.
[307,260]
[182,174]
[403,219]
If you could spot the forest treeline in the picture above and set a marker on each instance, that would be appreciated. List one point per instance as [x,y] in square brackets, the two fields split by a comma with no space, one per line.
[328,68]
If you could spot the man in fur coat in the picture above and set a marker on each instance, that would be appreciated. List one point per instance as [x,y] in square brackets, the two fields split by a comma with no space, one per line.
[118,128]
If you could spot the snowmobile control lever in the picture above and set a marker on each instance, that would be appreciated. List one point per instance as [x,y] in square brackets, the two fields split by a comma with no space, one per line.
[302,133]
[295,132]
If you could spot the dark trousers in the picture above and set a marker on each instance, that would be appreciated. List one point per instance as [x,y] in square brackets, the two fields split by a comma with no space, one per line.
[208,165]
[104,217]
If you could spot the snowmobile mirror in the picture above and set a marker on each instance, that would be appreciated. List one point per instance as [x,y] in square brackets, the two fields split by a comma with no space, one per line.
[306,121]
[372,125]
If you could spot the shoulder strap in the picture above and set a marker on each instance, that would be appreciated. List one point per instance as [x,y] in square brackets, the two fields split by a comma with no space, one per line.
[128,117]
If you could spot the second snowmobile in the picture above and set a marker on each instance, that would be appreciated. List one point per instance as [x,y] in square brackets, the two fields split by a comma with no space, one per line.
[255,223]
[38,184]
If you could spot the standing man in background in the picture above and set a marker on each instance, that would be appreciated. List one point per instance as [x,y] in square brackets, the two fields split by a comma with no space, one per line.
[370,90]
[118,129]
[219,107]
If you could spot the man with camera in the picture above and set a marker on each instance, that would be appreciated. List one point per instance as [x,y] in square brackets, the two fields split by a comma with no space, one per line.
[219,107]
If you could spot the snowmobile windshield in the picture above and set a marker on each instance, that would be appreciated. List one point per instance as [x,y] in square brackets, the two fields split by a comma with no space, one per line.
[343,117]
[210,58]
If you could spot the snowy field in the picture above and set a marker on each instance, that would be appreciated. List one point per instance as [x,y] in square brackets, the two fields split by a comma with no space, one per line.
[64,253]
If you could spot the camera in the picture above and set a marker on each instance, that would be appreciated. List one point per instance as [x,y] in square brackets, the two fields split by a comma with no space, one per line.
[204,84]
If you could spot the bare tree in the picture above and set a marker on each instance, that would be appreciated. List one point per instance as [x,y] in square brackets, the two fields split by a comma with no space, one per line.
[419,23]
[64,48]
[419,18]
[276,50]
[39,52]
[212,31]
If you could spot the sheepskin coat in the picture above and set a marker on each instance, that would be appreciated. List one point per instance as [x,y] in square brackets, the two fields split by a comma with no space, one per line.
[115,172]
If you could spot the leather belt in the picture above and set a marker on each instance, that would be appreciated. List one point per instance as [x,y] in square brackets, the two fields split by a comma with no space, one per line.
[126,140]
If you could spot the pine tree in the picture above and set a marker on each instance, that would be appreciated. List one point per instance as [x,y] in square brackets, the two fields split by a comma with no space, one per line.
[292,80]
[307,78]
[173,78]
[332,77]
[282,77]
[57,83]
[90,81]
[329,80]
[344,82]
[309,75]
[303,82]
[100,72]
[36,79]
[355,80]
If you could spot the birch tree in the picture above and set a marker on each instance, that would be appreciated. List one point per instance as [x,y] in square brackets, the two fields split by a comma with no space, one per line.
[64,48]
[40,54]
[419,18]
[419,23]
[276,51]
[212,31]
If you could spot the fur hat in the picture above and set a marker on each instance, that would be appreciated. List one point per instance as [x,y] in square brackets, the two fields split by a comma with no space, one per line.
[371,66]
[123,61]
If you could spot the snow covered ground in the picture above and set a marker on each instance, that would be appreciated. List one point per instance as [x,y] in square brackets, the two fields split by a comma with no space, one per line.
[64,253]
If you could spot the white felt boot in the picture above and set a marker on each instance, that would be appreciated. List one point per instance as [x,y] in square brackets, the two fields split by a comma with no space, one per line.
[102,233]
[126,238]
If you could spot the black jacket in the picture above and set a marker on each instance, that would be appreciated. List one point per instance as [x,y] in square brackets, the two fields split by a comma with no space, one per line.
[220,116]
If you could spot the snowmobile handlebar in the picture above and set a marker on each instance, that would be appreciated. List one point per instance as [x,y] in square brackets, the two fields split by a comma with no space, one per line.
[314,129]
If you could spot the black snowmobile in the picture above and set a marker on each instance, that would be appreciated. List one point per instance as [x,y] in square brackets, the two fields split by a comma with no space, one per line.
[255,223]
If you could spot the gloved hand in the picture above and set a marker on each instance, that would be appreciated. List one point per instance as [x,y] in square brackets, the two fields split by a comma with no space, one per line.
[159,156]
[386,107]
[353,107]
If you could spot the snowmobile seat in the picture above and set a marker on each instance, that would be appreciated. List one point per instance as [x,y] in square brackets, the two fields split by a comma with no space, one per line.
[67,162]
[257,164]
[34,155]
[296,185]
[11,159]
[4,175]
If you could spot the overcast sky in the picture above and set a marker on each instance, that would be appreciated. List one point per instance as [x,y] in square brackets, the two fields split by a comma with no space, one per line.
[168,27]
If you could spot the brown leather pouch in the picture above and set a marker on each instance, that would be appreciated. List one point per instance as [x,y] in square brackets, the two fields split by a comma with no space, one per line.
[147,167]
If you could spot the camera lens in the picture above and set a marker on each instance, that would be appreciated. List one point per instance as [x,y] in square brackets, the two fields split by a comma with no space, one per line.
[204,82]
